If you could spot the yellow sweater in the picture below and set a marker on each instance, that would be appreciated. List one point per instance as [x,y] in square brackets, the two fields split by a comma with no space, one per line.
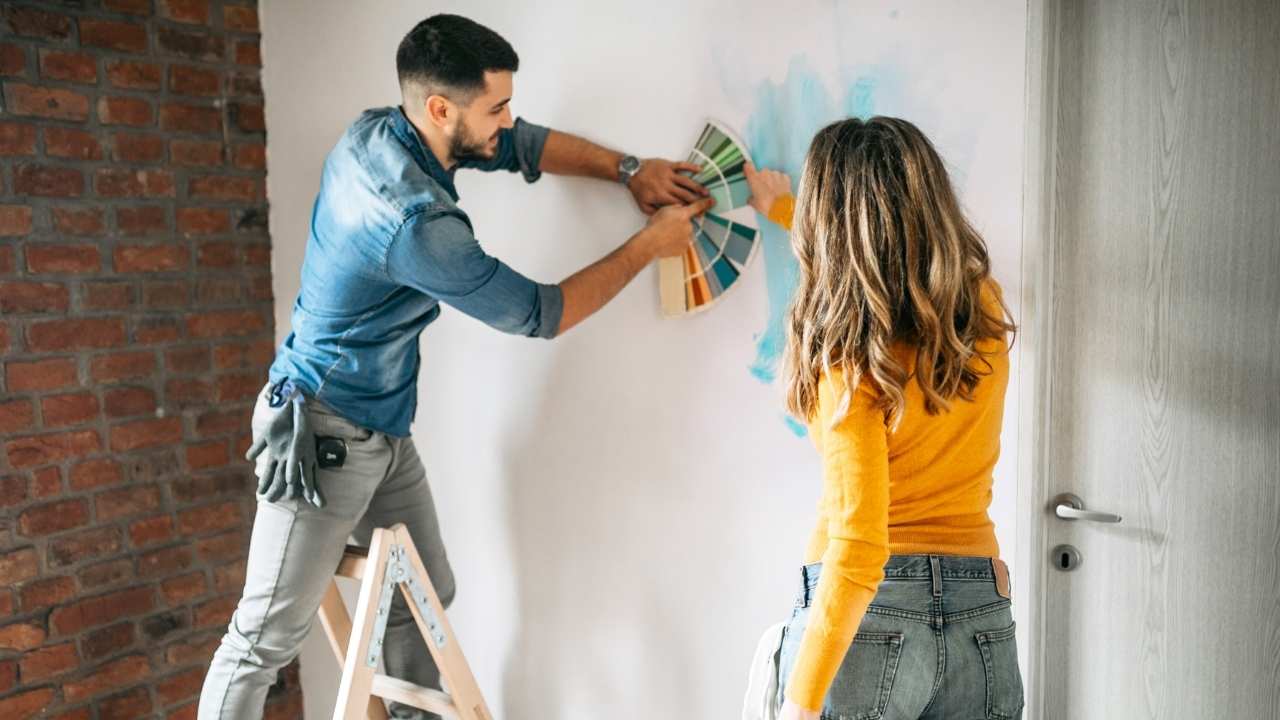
[923,489]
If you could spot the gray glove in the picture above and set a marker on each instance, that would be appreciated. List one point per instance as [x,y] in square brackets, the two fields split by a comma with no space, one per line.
[290,445]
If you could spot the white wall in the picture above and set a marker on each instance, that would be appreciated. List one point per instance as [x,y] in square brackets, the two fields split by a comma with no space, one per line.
[624,507]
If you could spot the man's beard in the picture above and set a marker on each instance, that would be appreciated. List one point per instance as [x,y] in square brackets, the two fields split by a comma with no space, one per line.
[465,146]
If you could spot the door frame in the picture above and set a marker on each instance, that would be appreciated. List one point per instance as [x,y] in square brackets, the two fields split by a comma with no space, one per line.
[1035,342]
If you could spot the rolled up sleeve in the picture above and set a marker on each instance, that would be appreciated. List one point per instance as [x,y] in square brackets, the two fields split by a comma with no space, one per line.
[519,150]
[440,256]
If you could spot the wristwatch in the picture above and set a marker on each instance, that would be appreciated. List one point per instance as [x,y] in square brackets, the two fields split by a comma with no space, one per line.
[627,169]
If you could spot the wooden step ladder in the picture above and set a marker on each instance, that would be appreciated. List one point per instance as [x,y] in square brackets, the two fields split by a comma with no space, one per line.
[392,562]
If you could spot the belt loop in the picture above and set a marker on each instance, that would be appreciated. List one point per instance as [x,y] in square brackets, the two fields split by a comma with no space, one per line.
[935,567]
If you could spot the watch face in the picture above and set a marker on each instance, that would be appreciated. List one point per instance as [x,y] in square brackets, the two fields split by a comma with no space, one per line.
[630,164]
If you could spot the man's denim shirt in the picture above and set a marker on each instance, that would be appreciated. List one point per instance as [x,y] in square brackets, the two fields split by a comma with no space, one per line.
[387,245]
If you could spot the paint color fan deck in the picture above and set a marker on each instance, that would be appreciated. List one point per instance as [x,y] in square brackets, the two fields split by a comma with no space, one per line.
[724,239]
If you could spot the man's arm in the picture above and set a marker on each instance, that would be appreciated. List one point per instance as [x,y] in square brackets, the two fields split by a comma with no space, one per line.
[657,183]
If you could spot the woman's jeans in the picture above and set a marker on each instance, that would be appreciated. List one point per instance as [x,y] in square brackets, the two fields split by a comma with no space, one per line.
[937,642]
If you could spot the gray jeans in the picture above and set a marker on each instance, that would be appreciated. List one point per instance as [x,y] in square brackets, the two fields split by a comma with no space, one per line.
[937,643]
[294,552]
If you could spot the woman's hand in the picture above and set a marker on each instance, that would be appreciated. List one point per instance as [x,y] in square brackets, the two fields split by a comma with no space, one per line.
[791,711]
[766,187]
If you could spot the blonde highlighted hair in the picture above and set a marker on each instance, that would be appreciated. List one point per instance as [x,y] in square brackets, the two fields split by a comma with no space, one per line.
[886,257]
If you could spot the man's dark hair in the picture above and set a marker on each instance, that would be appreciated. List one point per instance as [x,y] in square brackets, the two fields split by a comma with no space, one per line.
[449,55]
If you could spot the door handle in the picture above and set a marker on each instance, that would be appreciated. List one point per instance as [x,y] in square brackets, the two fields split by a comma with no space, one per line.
[1070,507]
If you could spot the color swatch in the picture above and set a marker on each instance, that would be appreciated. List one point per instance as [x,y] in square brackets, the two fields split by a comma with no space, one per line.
[725,239]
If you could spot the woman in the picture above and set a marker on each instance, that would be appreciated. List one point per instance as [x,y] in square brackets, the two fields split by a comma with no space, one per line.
[897,357]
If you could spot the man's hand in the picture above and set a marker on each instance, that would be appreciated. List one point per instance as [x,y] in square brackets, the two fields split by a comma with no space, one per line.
[659,182]
[290,468]
[670,230]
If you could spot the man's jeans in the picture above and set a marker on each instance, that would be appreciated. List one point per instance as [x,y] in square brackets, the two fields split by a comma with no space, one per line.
[295,550]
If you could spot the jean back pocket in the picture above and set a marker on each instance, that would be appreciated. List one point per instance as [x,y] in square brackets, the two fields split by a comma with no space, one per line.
[862,686]
[1004,679]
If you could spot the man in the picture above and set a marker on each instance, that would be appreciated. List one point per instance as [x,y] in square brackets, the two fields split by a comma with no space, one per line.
[388,244]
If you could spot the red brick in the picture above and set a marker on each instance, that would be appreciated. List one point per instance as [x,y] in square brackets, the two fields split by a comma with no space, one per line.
[16,415]
[186,80]
[152,332]
[136,221]
[106,573]
[17,139]
[220,422]
[101,610]
[234,388]
[240,18]
[215,612]
[187,360]
[15,220]
[47,592]
[76,67]
[72,144]
[78,221]
[53,517]
[209,518]
[75,334]
[33,297]
[187,11]
[247,53]
[35,450]
[130,401]
[21,636]
[27,704]
[49,374]
[13,60]
[221,548]
[151,530]
[138,148]
[257,255]
[188,392]
[194,44]
[133,75]
[146,433]
[124,183]
[83,546]
[204,153]
[243,355]
[53,258]
[113,35]
[220,290]
[107,296]
[47,181]
[17,566]
[61,410]
[188,712]
[48,662]
[223,323]
[124,111]
[180,687]
[122,366]
[151,258]
[224,187]
[37,23]
[133,704]
[132,7]
[47,482]
[6,267]
[208,455]
[165,562]
[189,650]
[252,156]
[6,603]
[204,221]
[46,102]
[133,500]
[219,254]
[249,118]
[4,329]
[229,578]
[165,294]
[190,118]
[246,83]
[180,589]
[107,641]
[119,673]
[96,473]
[8,676]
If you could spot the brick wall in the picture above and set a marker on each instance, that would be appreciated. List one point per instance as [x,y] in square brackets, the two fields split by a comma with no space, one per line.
[135,329]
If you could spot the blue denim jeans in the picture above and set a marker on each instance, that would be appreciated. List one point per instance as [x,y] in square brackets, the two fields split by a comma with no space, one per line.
[937,643]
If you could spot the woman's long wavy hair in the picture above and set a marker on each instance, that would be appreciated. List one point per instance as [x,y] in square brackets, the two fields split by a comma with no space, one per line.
[886,257]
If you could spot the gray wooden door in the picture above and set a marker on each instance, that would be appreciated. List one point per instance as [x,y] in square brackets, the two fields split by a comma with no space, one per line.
[1162,384]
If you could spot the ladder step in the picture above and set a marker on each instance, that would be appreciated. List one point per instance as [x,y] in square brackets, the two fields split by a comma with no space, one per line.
[353,561]
[396,690]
